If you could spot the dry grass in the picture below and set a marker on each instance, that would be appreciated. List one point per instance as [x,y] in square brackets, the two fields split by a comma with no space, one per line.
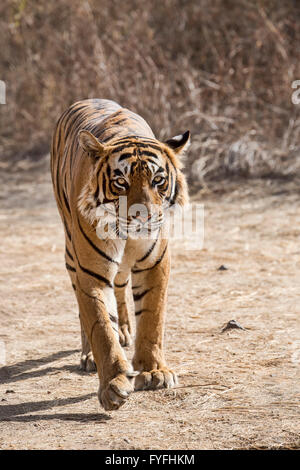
[223,69]
[238,389]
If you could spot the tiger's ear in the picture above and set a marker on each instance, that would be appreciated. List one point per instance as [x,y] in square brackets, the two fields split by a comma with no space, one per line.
[179,143]
[90,144]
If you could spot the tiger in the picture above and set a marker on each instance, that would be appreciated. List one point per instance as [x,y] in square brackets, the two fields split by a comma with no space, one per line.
[102,153]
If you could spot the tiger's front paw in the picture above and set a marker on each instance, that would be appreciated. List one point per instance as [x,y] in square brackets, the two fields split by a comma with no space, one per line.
[155,379]
[124,335]
[114,394]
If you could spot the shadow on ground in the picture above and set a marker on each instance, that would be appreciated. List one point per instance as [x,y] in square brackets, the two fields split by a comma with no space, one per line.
[13,412]
[17,372]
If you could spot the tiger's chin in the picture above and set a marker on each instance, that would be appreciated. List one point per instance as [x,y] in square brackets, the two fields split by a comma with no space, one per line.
[144,233]
[111,231]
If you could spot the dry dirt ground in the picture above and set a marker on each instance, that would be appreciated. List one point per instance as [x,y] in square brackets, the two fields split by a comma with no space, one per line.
[238,389]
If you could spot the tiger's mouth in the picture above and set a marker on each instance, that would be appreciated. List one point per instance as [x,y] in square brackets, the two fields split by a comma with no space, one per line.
[114,225]
[141,227]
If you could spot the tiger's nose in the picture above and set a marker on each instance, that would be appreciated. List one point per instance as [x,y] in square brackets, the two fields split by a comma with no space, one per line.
[142,218]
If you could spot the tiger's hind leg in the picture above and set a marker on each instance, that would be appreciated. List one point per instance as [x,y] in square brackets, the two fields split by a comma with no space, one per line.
[122,288]
[87,362]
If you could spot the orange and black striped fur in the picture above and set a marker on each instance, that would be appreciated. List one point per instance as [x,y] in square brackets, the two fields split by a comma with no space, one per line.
[101,151]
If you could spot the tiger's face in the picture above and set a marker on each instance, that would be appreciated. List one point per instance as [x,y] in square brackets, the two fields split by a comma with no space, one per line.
[137,179]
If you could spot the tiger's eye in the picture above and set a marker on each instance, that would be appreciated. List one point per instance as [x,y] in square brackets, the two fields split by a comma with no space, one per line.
[158,179]
[121,181]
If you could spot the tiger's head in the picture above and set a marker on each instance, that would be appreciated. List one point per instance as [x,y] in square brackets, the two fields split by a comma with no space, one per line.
[143,173]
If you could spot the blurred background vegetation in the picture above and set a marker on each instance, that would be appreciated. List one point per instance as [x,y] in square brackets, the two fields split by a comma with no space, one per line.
[221,68]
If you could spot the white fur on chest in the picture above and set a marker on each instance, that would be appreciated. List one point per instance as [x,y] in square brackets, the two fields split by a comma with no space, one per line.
[135,250]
